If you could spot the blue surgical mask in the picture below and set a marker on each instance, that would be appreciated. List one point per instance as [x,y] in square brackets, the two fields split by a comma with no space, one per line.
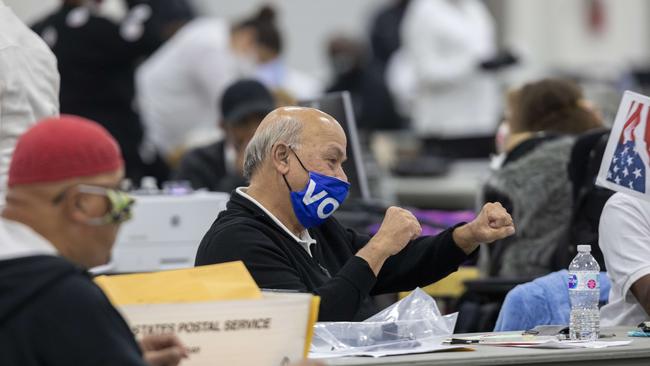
[320,198]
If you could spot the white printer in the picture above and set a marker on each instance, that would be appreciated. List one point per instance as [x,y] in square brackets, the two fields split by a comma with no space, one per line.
[165,232]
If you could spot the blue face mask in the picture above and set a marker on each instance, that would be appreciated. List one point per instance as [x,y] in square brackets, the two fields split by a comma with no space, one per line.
[320,198]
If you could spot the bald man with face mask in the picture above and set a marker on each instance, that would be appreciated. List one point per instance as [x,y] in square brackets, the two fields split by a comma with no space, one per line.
[281,224]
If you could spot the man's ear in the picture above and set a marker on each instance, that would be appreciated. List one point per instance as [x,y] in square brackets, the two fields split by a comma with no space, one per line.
[73,205]
[280,157]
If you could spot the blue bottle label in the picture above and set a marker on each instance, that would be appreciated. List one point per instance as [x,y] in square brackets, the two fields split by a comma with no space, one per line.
[573,281]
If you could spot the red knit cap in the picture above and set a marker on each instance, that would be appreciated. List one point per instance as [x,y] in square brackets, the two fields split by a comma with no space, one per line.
[57,149]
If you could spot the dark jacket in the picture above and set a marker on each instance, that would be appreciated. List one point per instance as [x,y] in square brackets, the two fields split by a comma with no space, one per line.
[342,280]
[205,167]
[97,63]
[51,313]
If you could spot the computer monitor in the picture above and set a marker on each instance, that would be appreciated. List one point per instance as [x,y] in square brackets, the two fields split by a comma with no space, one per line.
[339,106]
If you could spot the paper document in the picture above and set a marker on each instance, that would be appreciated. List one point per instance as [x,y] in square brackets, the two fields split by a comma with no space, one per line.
[225,281]
[236,333]
[416,347]
[218,312]
[501,339]
[516,339]
[575,344]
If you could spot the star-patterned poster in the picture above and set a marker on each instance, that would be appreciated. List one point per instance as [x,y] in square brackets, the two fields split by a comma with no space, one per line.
[626,161]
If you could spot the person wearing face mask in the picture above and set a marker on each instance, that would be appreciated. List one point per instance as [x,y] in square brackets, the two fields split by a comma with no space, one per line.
[373,105]
[438,76]
[218,166]
[178,85]
[62,214]
[281,224]
[272,69]
[530,177]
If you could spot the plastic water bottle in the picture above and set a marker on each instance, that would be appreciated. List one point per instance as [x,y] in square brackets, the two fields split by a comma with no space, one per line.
[584,293]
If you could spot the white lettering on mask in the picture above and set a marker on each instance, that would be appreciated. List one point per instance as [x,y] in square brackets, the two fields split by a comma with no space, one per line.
[309,197]
[321,208]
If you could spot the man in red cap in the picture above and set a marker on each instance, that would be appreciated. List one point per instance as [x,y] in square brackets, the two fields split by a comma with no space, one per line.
[62,213]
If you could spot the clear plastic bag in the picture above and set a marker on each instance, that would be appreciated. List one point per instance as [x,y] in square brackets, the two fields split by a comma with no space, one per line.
[406,324]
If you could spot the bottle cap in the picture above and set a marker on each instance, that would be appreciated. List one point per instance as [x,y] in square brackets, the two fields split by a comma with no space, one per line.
[584,248]
[148,183]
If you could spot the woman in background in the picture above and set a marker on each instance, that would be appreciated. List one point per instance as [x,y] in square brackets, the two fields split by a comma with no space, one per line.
[272,69]
[532,182]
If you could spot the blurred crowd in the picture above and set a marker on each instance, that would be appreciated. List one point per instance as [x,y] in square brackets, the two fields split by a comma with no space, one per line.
[155,75]
[183,95]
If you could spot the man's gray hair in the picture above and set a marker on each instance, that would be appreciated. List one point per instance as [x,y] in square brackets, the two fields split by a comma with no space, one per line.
[286,129]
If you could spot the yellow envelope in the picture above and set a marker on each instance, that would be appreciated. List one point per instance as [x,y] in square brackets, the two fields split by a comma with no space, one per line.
[225,281]
[313,318]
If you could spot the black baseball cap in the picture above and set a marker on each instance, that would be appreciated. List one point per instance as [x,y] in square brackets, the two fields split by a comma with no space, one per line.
[243,98]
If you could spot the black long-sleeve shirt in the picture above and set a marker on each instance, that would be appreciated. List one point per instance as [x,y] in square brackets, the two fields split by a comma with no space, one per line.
[343,281]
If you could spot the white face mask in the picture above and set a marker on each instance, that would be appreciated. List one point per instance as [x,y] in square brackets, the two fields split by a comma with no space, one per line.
[244,64]
[501,137]
[230,158]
